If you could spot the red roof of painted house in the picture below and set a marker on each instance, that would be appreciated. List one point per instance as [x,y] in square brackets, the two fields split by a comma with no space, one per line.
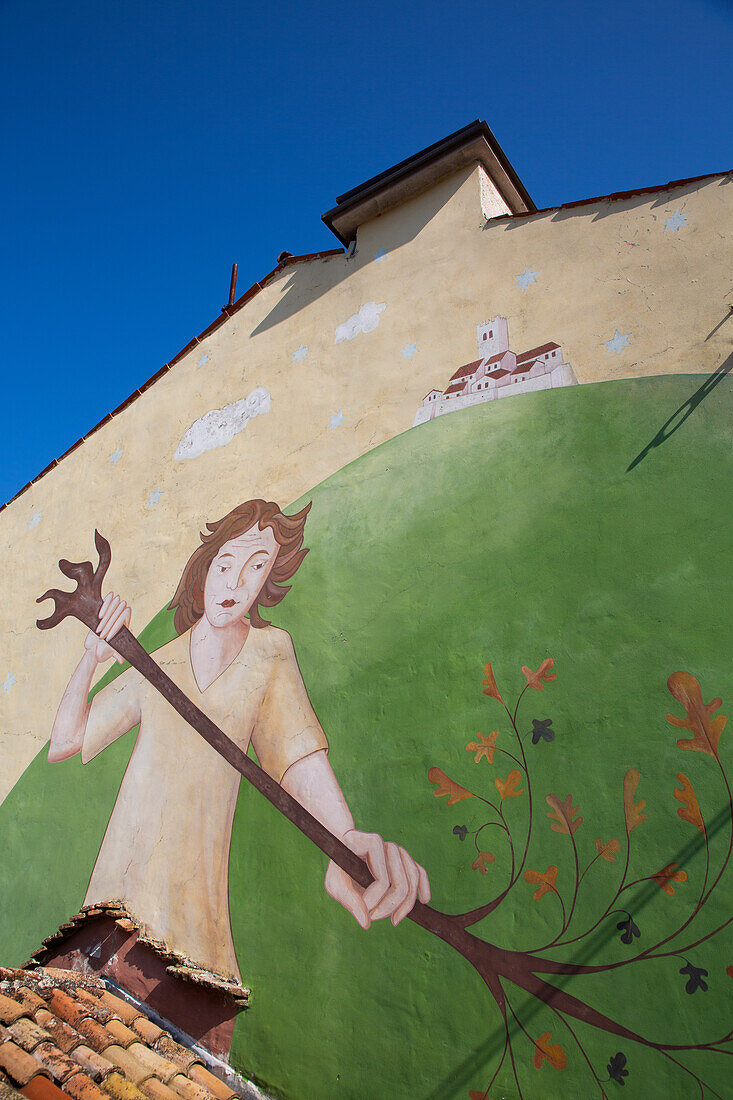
[431,391]
[501,372]
[533,353]
[524,368]
[469,368]
[455,388]
[495,358]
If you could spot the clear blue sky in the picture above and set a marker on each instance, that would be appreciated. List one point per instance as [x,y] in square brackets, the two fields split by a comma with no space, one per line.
[149,144]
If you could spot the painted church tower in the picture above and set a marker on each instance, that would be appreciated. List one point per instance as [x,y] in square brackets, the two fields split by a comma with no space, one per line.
[492,337]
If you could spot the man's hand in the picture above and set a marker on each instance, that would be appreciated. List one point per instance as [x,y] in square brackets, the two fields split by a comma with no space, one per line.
[398,880]
[113,615]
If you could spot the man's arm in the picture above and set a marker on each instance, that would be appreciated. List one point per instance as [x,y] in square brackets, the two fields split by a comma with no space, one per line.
[70,724]
[398,879]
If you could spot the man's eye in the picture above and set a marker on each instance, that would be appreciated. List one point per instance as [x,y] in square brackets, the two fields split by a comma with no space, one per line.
[259,565]
[221,568]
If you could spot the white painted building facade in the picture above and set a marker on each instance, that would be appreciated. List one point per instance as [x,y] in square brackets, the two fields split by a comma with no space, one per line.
[498,372]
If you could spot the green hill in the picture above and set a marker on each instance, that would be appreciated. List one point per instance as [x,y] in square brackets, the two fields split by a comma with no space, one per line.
[509,533]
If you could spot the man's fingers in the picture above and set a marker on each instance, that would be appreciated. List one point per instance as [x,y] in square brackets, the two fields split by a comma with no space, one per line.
[423,885]
[372,847]
[340,887]
[413,879]
[399,884]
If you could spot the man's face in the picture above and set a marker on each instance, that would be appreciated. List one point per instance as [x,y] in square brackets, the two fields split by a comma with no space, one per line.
[237,574]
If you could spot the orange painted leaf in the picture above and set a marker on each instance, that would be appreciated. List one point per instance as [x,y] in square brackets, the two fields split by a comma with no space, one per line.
[448,786]
[484,746]
[690,811]
[562,814]
[508,788]
[669,874]
[729,971]
[474,1095]
[706,729]
[534,679]
[479,864]
[634,816]
[489,684]
[608,850]
[544,880]
[552,1052]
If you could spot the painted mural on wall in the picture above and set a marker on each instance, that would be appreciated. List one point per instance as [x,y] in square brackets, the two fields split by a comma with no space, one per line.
[172,820]
[498,372]
[589,824]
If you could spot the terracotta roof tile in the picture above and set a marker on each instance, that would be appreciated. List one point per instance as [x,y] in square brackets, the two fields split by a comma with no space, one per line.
[59,1064]
[153,1063]
[147,1030]
[174,1052]
[96,1036]
[119,1089]
[121,1034]
[534,352]
[19,1066]
[28,1034]
[96,1065]
[188,1089]
[93,1006]
[64,1036]
[29,999]
[66,1008]
[81,1087]
[202,1076]
[66,1027]
[126,1012]
[40,1088]
[10,1010]
[156,1090]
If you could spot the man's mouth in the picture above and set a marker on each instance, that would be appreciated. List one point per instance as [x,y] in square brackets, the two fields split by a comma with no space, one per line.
[227,603]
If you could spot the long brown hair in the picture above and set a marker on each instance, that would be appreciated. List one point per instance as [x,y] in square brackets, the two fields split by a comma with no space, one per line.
[288,531]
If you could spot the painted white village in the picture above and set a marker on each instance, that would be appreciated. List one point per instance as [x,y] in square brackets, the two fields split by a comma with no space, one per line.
[498,372]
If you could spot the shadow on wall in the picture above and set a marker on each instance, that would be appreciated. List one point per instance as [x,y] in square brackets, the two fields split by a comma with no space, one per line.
[589,208]
[678,417]
[300,291]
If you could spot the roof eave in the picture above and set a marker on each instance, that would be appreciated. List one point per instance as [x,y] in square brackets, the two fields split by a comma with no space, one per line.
[474,144]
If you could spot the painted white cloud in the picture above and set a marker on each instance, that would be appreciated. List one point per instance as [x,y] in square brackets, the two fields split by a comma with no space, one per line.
[219,426]
[366,320]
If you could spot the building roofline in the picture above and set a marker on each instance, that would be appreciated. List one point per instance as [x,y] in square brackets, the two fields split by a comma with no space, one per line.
[226,311]
[289,261]
[471,144]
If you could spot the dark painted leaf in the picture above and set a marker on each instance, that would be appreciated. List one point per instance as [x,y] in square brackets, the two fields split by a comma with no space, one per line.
[628,930]
[616,1068]
[695,979]
[542,730]
[460,831]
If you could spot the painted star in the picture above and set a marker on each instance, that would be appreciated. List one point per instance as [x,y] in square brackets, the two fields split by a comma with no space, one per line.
[300,353]
[618,343]
[155,495]
[526,278]
[116,456]
[336,421]
[203,360]
[35,520]
[675,222]
[409,350]
[379,256]
[9,681]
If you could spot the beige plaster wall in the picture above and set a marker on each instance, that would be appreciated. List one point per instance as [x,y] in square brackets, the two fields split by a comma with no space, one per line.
[599,268]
